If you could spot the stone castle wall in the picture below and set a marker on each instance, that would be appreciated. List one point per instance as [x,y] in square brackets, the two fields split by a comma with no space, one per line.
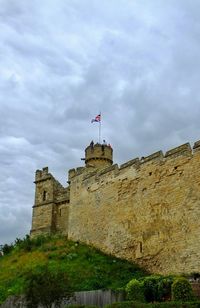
[147,210]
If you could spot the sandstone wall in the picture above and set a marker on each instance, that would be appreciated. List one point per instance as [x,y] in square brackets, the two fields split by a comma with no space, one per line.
[42,218]
[147,210]
[50,210]
[62,217]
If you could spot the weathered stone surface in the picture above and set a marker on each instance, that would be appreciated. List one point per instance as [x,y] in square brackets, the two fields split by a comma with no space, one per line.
[50,211]
[146,211]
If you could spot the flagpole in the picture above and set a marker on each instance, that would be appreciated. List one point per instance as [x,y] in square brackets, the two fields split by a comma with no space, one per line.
[100,129]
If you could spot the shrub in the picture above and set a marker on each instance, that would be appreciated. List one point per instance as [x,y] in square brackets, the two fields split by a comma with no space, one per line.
[135,290]
[151,288]
[7,248]
[40,240]
[24,244]
[44,287]
[164,288]
[157,288]
[182,290]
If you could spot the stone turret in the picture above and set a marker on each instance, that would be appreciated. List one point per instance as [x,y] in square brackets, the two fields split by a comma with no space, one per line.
[43,209]
[50,210]
[98,156]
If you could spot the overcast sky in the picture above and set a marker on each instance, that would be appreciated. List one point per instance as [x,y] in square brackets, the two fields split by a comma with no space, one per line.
[62,61]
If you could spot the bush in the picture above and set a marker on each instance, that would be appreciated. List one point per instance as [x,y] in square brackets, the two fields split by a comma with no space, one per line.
[164,288]
[151,288]
[135,290]
[7,248]
[182,290]
[44,287]
[40,240]
[25,243]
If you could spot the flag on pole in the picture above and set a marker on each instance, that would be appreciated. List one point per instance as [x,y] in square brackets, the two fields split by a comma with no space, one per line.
[96,119]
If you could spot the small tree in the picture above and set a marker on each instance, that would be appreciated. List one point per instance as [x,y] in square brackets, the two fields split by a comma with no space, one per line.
[135,291]
[182,290]
[44,286]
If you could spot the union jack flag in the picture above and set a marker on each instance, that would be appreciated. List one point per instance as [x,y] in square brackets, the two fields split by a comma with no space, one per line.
[96,119]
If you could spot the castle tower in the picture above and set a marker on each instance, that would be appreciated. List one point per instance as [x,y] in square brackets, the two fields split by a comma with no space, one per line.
[50,210]
[43,209]
[98,155]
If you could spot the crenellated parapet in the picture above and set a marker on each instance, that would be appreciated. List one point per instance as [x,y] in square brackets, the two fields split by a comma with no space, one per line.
[196,147]
[41,175]
[98,156]
[75,172]
[184,150]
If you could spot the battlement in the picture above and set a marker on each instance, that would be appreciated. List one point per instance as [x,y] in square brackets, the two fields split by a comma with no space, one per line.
[133,162]
[98,155]
[75,172]
[196,147]
[156,157]
[43,174]
[184,150]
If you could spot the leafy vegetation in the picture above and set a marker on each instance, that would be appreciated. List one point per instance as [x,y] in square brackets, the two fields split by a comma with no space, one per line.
[151,292]
[45,287]
[86,267]
[182,290]
[154,305]
[135,290]
[150,289]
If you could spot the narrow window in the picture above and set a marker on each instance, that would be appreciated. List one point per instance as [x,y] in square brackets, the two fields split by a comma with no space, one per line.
[60,212]
[44,195]
[140,247]
[150,173]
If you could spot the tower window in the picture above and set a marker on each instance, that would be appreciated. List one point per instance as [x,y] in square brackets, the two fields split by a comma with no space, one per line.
[44,195]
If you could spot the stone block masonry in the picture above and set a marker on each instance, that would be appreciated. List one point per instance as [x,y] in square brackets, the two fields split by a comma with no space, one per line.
[146,210]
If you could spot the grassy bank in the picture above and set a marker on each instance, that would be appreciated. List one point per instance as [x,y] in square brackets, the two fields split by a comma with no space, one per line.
[87,268]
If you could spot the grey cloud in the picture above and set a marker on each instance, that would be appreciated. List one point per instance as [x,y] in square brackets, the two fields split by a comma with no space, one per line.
[62,62]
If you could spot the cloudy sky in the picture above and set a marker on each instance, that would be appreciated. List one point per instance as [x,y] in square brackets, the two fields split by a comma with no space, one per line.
[62,61]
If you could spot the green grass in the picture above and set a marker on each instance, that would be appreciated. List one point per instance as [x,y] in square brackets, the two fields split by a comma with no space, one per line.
[87,268]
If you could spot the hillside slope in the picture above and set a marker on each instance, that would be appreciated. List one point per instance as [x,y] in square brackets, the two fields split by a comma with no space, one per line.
[87,268]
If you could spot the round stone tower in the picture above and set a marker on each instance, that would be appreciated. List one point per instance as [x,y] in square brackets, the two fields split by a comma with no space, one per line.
[98,155]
